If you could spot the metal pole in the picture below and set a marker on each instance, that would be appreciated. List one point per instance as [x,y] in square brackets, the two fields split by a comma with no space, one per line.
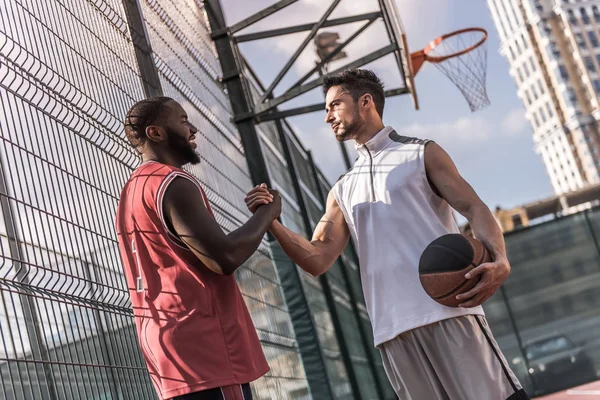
[592,234]
[143,50]
[513,323]
[305,27]
[242,110]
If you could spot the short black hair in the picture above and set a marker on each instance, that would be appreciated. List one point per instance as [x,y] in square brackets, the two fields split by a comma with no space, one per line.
[358,82]
[150,111]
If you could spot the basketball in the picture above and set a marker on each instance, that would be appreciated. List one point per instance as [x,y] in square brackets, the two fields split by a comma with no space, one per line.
[444,263]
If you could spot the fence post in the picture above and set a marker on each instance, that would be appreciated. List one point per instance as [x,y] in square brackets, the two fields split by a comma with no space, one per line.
[590,227]
[513,323]
[143,50]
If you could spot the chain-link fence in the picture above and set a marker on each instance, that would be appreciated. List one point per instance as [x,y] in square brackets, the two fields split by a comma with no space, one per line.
[69,71]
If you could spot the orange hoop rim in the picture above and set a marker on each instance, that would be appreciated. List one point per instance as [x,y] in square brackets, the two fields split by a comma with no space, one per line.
[435,42]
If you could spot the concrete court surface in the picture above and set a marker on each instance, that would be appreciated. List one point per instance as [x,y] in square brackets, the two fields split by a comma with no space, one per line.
[588,391]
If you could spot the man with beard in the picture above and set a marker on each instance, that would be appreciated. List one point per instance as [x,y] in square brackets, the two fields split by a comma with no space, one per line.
[193,326]
[396,199]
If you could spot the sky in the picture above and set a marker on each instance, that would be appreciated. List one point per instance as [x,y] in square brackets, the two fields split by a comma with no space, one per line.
[492,148]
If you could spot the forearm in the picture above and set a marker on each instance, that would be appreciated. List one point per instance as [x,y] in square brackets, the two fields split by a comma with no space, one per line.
[244,241]
[486,229]
[300,250]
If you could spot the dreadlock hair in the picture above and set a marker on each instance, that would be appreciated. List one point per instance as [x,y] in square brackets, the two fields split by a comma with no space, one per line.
[151,111]
[358,82]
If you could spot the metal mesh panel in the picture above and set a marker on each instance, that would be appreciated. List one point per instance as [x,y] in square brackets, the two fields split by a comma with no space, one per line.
[351,332]
[67,76]
[278,170]
[388,391]
[327,336]
[303,167]
[223,172]
[553,293]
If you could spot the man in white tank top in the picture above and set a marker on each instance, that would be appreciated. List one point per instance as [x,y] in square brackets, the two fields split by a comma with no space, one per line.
[396,199]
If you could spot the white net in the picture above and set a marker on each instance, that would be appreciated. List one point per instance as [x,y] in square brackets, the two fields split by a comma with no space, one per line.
[467,71]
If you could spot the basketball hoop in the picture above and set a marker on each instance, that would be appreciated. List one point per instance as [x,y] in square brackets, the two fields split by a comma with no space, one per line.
[462,57]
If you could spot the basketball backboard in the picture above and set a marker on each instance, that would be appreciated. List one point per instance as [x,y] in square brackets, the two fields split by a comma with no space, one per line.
[393,23]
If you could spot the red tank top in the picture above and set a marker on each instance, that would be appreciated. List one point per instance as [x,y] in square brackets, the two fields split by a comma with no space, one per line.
[193,325]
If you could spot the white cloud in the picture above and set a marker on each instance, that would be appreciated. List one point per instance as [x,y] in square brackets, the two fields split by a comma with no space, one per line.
[515,122]
[462,131]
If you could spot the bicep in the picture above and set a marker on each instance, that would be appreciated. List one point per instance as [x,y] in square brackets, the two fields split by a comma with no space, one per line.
[331,234]
[447,181]
[184,210]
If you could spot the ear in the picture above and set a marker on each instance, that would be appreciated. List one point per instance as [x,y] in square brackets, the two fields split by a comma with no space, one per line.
[155,133]
[366,99]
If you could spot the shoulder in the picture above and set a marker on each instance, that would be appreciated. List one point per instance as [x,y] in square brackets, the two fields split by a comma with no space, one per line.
[396,137]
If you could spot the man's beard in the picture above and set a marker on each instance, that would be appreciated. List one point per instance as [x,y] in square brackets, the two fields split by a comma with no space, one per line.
[350,130]
[182,147]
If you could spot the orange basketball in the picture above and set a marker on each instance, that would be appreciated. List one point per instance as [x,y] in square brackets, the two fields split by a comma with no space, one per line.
[444,264]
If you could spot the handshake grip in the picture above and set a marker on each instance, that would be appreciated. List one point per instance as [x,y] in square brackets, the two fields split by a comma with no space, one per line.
[261,196]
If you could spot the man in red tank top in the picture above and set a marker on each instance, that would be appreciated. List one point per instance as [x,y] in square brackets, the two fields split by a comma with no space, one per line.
[193,326]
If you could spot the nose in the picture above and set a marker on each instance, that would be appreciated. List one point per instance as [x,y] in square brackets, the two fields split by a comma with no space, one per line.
[193,129]
[329,117]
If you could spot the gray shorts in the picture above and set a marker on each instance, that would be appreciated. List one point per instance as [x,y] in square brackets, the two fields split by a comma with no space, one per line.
[454,359]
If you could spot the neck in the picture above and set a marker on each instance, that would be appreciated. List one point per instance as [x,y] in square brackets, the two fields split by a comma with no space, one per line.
[161,158]
[368,132]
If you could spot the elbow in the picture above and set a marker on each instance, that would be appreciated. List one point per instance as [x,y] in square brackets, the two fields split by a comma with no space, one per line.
[470,211]
[315,270]
[229,265]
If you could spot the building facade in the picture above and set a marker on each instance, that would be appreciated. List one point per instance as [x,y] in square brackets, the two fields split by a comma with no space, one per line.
[553,49]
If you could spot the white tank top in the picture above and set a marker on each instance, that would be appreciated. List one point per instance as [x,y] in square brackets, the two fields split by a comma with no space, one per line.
[393,214]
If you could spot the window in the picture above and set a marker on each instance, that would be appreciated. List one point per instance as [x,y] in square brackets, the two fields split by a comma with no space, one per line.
[549,109]
[532,63]
[536,120]
[554,49]
[593,38]
[541,86]
[512,53]
[524,41]
[572,19]
[572,96]
[519,74]
[589,64]
[566,98]
[527,97]
[543,115]
[563,72]
[596,13]
[526,69]
[518,47]
[544,28]
[579,40]
[534,91]
[584,17]
[596,84]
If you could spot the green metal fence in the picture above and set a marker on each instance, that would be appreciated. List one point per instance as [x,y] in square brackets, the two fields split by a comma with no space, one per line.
[546,318]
